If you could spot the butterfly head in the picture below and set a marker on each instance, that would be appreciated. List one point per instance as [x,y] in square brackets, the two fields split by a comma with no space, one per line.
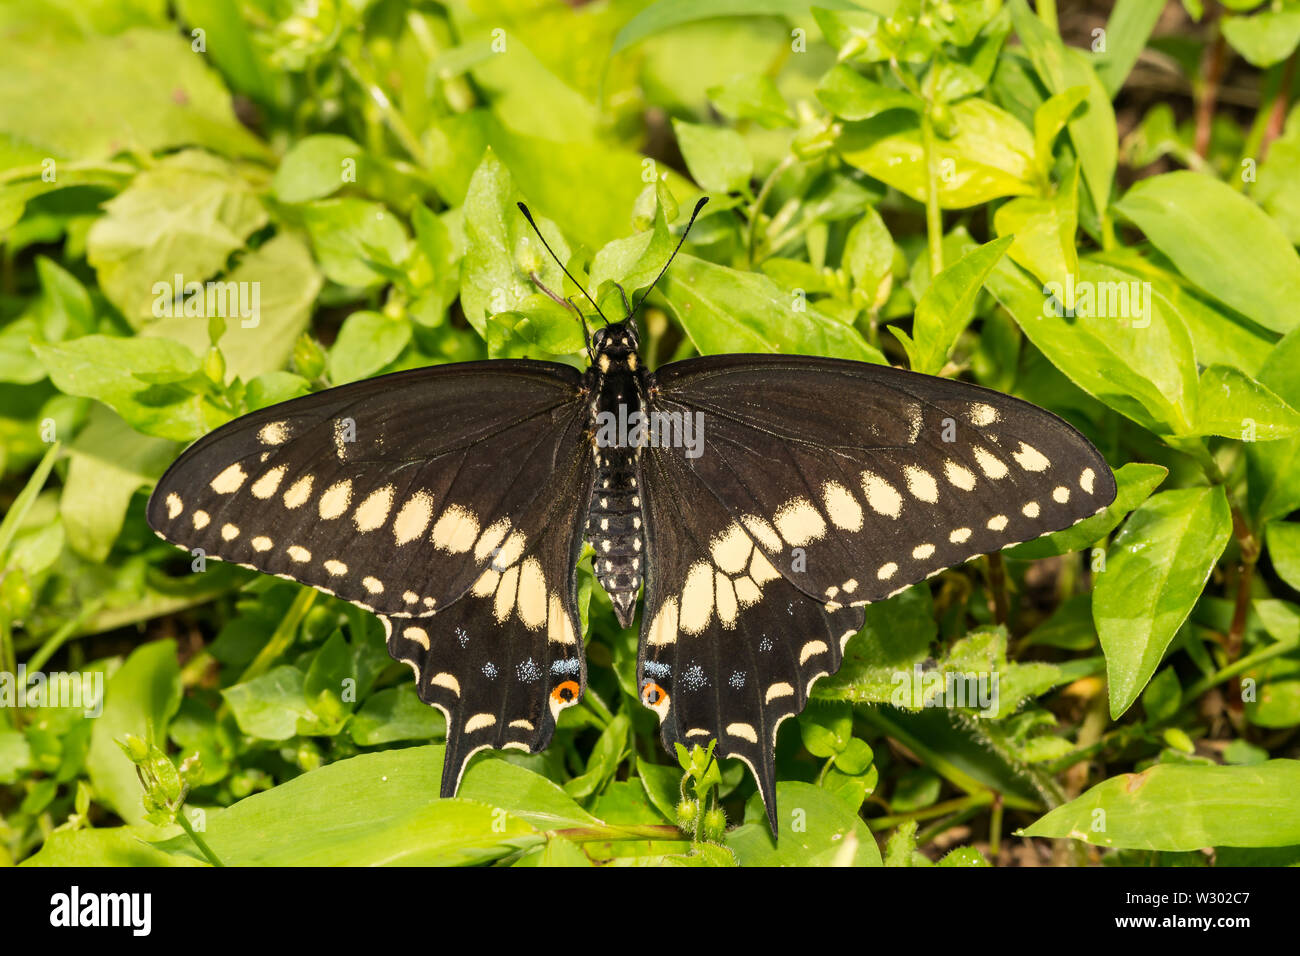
[617,340]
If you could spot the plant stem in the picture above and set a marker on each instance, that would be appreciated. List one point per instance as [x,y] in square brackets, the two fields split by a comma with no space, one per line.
[998,585]
[1047,13]
[607,832]
[1211,73]
[283,636]
[933,214]
[198,840]
[972,801]
[756,211]
[1277,116]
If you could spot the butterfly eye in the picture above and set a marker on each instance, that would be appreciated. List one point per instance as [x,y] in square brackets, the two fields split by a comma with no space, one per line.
[565,693]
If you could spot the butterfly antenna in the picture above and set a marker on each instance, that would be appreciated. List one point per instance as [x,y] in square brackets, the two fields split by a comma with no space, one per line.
[529,216]
[698,206]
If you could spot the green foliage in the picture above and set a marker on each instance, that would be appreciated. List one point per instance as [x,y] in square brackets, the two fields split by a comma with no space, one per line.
[208,208]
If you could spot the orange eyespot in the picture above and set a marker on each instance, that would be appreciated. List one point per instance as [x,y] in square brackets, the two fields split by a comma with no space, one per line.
[652,695]
[566,693]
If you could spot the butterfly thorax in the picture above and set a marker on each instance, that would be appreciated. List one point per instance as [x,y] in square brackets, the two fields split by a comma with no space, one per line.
[616,383]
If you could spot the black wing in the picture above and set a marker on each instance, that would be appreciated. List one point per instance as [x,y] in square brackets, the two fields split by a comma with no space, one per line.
[447,500]
[844,483]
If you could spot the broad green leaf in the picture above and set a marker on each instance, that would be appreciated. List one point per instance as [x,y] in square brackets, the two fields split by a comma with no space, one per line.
[989,155]
[752,96]
[177,223]
[816,828]
[1061,68]
[367,342]
[1234,405]
[539,328]
[851,96]
[348,234]
[947,306]
[604,760]
[276,286]
[662,786]
[895,639]
[633,262]
[142,90]
[1220,241]
[140,379]
[1283,540]
[105,846]
[269,707]
[725,310]
[717,156]
[1274,467]
[1134,484]
[1127,30]
[108,462]
[233,47]
[139,699]
[382,809]
[316,167]
[1179,807]
[1278,186]
[1129,353]
[666,14]
[1156,568]
[501,250]
[869,257]
[1264,38]
[1043,231]
[1050,119]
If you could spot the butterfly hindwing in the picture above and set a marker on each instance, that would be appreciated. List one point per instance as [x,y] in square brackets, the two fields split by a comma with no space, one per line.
[729,647]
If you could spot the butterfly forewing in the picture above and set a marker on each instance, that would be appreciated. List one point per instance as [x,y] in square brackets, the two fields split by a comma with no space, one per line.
[447,500]
[859,480]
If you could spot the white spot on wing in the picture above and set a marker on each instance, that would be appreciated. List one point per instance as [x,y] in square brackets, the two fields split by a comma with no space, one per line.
[799,522]
[842,507]
[881,495]
[229,481]
[1030,458]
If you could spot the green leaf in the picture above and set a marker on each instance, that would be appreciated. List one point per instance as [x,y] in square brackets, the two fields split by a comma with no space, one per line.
[1127,30]
[725,310]
[108,462]
[139,91]
[316,167]
[1050,119]
[1283,541]
[604,760]
[633,262]
[183,217]
[1061,68]
[501,249]
[752,96]
[1156,568]
[1137,361]
[281,283]
[140,699]
[851,96]
[138,378]
[1234,405]
[662,786]
[896,637]
[377,809]
[366,343]
[1043,231]
[947,306]
[106,846]
[717,156]
[347,235]
[1135,482]
[1265,38]
[269,707]
[1222,242]
[1274,467]
[1183,807]
[396,713]
[816,828]
[990,154]
[666,14]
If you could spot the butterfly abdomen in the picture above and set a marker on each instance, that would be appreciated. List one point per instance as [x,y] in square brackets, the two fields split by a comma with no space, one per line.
[614,516]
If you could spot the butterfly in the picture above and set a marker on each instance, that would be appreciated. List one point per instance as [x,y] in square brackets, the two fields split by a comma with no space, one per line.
[761,501]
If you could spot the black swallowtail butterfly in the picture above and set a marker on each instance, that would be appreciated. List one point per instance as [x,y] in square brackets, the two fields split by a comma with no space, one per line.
[453,501]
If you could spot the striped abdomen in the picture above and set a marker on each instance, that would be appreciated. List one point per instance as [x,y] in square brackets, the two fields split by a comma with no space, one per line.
[614,529]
